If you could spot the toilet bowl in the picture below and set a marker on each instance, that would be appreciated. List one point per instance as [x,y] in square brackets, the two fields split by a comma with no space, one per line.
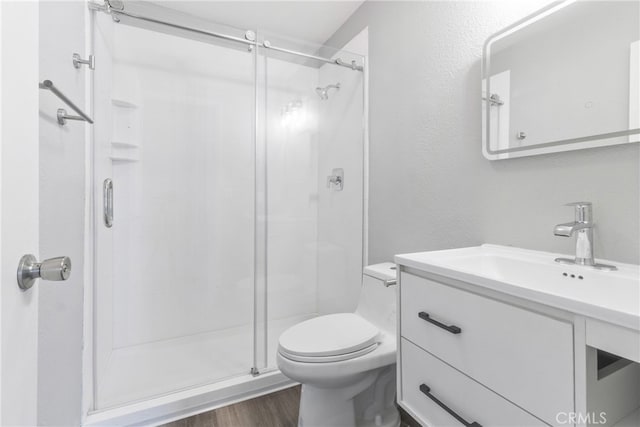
[346,361]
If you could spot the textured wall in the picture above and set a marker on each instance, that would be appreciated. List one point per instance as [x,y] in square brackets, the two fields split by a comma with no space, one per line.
[430,187]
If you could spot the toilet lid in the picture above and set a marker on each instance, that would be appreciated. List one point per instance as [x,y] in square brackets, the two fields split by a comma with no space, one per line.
[330,335]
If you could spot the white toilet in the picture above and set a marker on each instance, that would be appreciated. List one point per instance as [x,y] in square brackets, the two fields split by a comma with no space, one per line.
[346,362]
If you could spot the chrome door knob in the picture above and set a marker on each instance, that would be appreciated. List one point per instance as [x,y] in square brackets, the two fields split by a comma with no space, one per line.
[29,269]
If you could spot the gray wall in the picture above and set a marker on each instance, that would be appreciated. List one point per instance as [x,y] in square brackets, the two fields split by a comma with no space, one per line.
[430,187]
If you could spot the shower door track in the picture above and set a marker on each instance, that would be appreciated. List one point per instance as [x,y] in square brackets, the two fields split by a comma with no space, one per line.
[249,39]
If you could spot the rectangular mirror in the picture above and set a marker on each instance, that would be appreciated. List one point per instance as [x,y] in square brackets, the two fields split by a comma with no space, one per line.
[564,78]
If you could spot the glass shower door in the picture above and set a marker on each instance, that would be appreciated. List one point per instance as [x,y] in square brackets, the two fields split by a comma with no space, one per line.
[312,124]
[175,272]
[225,231]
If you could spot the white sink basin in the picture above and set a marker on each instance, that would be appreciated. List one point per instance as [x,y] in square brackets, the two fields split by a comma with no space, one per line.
[613,296]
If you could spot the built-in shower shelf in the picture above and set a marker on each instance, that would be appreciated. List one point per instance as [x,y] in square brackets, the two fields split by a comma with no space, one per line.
[124,145]
[123,159]
[123,103]
[126,128]
[124,152]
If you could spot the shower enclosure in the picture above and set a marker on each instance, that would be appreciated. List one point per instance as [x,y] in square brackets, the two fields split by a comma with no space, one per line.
[228,195]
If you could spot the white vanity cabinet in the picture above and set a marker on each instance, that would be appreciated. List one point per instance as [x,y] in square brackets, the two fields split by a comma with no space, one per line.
[460,399]
[474,354]
[524,356]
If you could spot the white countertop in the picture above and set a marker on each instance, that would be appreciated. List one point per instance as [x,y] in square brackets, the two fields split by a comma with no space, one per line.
[610,296]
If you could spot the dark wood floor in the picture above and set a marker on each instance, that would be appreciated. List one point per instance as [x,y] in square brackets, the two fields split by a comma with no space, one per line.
[279,409]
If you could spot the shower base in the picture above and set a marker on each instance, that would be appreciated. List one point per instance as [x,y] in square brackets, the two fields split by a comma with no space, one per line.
[188,364]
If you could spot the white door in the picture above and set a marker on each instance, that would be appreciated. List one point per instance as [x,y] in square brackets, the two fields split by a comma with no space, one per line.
[18,209]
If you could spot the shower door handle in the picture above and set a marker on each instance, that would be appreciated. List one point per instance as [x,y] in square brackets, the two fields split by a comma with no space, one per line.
[107,201]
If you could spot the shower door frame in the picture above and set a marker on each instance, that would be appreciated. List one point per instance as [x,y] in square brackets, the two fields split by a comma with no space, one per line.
[182,403]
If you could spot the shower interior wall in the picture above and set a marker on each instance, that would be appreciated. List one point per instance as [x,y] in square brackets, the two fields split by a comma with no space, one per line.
[176,308]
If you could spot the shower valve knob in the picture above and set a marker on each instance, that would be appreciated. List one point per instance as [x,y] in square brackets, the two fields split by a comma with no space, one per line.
[336,179]
[333,180]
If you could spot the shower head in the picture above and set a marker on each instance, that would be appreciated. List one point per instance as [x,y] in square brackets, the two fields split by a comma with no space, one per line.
[323,92]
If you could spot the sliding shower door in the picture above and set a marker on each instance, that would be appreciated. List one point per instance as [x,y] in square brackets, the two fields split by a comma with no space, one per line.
[312,129]
[174,157]
[219,218]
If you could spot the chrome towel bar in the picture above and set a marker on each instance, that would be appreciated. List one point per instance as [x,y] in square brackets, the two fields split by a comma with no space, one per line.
[62,114]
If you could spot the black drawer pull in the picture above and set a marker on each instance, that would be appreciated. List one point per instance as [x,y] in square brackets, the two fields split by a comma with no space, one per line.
[453,329]
[427,391]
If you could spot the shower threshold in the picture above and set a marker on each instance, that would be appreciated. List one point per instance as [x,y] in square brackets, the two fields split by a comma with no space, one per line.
[182,404]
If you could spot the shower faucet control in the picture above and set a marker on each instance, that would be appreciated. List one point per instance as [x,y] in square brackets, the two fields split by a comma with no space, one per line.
[336,179]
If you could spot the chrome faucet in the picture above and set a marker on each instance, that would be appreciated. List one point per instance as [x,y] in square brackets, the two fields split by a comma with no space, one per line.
[583,228]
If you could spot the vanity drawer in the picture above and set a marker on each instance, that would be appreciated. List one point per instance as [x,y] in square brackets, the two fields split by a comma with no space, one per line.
[524,356]
[465,397]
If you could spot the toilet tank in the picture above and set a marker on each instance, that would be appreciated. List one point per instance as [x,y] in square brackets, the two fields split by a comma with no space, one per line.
[377,302]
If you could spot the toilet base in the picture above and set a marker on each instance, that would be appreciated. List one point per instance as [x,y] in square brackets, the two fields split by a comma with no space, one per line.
[368,403]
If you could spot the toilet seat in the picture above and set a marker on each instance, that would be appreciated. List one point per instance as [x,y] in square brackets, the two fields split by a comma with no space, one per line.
[329,338]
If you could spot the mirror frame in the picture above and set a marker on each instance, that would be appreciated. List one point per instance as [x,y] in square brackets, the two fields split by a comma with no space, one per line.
[581,142]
